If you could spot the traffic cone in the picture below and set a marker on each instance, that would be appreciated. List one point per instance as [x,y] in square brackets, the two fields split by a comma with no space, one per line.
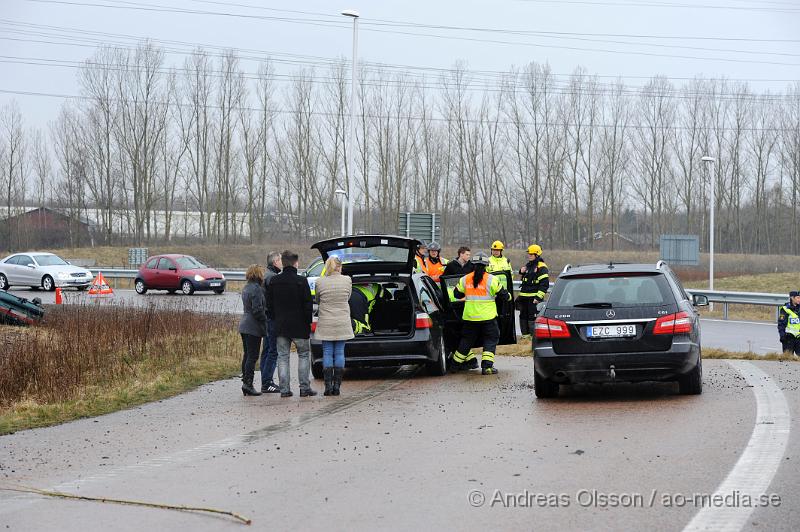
[59,301]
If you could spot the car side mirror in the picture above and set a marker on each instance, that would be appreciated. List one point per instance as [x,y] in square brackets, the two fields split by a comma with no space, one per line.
[699,300]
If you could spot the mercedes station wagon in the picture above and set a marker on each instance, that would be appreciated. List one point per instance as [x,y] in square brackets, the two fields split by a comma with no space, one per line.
[618,322]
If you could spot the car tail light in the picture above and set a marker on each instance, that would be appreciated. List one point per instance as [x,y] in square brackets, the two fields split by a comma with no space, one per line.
[314,325]
[678,323]
[424,321]
[547,328]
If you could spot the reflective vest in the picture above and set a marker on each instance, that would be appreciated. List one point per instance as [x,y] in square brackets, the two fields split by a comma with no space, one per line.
[479,302]
[371,292]
[435,269]
[498,264]
[792,323]
[419,266]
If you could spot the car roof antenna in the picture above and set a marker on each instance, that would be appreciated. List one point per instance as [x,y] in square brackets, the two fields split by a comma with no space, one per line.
[610,265]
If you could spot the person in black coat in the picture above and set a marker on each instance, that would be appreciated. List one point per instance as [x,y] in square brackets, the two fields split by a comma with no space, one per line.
[252,326]
[461,265]
[290,305]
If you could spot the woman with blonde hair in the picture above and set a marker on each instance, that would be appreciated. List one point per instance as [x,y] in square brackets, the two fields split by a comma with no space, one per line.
[334,327]
[252,326]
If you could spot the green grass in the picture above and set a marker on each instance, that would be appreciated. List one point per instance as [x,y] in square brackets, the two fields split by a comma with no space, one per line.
[145,382]
[771,283]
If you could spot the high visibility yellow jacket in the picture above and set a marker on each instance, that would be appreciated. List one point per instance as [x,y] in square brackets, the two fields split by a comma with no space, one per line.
[499,264]
[479,302]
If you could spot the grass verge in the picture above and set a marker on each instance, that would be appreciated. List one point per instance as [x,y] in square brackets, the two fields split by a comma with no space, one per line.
[52,374]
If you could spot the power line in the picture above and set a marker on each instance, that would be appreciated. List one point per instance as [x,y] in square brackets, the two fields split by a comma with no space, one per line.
[402,82]
[301,59]
[410,118]
[667,5]
[365,27]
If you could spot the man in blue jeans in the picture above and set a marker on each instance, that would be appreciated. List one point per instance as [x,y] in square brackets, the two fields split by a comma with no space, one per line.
[289,303]
[269,355]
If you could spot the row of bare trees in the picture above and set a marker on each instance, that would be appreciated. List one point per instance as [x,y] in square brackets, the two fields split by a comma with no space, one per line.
[210,150]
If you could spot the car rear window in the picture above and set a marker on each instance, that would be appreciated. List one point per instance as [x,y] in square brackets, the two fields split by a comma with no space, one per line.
[619,290]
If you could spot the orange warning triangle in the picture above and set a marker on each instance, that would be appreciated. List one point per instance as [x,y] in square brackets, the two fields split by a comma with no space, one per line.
[99,286]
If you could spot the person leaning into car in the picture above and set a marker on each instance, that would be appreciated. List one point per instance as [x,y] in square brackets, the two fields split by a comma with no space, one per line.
[789,324]
[333,325]
[252,326]
[289,303]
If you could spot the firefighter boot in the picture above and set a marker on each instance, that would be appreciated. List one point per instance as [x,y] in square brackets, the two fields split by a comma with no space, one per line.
[487,367]
[472,361]
[327,373]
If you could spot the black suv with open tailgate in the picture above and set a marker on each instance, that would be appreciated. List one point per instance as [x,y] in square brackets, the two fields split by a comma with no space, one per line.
[618,322]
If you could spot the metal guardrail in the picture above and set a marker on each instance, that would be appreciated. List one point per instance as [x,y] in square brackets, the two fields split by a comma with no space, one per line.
[714,296]
[741,298]
[121,273]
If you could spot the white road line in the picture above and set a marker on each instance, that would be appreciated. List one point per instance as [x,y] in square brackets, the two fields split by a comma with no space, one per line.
[753,472]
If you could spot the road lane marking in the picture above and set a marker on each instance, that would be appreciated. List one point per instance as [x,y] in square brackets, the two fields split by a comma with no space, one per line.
[208,450]
[760,460]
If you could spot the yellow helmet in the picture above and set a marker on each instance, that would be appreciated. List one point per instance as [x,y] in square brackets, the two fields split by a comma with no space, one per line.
[535,249]
[497,245]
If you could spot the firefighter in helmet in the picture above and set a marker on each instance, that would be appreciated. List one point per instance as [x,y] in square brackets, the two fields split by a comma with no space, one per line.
[479,290]
[435,263]
[535,282]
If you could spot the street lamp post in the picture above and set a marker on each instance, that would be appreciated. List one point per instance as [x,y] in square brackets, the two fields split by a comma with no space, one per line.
[709,163]
[352,129]
[343,193]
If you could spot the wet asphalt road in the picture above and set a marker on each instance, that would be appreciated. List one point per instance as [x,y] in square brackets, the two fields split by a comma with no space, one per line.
[758,337]
[400,450]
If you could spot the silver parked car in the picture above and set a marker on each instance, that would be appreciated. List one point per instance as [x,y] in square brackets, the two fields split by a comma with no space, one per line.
[42,270]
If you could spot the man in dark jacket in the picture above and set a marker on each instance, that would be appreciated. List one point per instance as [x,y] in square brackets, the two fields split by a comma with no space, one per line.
[789,324]
[290,305]
[269,355]
[461,265]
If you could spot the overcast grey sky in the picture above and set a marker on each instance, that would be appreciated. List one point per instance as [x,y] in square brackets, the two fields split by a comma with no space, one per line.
[755,40]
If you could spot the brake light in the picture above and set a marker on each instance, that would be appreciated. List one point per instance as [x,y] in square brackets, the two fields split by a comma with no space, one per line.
[314,325]
[678,323]
[547,328]
[424,321]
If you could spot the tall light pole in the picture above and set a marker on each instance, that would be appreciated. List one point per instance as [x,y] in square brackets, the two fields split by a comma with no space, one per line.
[709,163]
[351,130]
[343,193]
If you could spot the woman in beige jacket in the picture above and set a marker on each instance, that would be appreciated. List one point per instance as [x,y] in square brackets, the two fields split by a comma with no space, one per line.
[334,327]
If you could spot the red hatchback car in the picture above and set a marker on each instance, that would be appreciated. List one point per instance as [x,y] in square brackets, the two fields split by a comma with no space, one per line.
[178,272]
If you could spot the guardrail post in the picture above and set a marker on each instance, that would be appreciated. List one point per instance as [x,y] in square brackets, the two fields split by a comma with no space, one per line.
[725,310]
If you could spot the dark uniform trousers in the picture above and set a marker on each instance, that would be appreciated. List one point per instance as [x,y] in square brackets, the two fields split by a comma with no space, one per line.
[791,344]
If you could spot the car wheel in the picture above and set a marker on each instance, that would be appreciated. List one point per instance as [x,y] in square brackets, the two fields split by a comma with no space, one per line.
[4,282]
[544,388]
[438,368]
[692,383]
[316,371]
[48,284]
[219,292]
[140,287]
[187,287]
